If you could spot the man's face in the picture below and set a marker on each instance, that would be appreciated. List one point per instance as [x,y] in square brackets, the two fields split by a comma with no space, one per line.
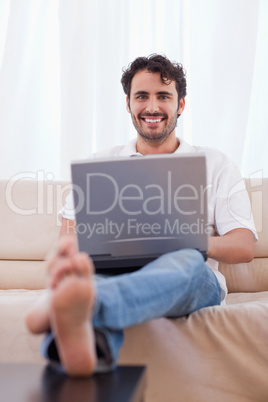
[153,106]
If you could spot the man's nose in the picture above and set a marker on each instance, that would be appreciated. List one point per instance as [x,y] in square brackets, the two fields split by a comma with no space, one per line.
[152,105]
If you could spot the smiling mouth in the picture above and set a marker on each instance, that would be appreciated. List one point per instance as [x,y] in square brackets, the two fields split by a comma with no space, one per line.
[153,120]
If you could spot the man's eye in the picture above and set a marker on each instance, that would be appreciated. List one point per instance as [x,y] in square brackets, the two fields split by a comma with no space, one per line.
[164,97]
[141,97]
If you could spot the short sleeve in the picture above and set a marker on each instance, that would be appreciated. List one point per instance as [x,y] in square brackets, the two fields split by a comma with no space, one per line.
[233,208]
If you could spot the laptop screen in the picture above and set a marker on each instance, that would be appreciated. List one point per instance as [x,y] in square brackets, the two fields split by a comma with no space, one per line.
[130,208]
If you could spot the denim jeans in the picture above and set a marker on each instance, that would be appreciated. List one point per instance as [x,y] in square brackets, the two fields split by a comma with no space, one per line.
[174,285]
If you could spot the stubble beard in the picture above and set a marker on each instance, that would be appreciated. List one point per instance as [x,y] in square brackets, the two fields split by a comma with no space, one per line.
[150,136]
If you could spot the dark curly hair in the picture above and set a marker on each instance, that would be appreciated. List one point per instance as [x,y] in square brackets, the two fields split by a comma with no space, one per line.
[156,63]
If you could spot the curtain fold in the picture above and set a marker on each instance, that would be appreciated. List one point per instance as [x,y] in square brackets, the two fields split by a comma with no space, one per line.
[255,152]
[61,63]
[29,88]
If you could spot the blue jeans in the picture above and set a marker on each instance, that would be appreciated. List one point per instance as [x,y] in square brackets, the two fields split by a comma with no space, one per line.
[174,285]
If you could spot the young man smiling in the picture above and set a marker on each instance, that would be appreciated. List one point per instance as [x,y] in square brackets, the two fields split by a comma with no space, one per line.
[154,111]
[79,312]
[155,102]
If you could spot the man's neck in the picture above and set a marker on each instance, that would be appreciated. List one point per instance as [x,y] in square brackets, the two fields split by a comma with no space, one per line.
[167,147]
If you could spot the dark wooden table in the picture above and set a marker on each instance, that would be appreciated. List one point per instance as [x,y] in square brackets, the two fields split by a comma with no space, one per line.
[39,383]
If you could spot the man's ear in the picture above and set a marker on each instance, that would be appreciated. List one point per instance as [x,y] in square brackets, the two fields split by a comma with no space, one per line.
[181,106]
[127,105]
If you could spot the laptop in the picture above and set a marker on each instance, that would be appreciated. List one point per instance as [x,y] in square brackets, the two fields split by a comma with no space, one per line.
[131,210]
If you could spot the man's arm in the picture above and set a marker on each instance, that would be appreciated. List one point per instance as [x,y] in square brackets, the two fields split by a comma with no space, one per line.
[234,247]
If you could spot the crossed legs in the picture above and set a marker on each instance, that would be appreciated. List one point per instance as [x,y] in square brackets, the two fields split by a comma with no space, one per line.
[174,285]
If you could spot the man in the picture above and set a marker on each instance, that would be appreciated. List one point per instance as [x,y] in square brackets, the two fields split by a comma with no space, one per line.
[86,318]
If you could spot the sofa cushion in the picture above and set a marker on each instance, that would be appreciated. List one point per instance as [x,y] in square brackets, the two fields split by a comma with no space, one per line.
[245,297]
[29,223]
[17,345]
[22,274]
[215,354]
[246,277]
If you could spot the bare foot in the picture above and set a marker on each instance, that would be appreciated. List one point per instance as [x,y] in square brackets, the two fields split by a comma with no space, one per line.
[59,265]
[66,309]
[71,306]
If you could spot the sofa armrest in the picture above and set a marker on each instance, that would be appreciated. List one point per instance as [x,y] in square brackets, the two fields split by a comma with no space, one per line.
[246,277]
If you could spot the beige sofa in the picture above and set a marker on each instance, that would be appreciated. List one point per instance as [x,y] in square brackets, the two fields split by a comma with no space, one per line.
[216,354]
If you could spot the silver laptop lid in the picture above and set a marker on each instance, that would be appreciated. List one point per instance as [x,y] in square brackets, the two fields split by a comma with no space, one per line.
[140,206]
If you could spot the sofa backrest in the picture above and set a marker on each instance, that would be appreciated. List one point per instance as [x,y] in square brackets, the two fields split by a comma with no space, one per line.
[258,193]
[29,222]
[30,227]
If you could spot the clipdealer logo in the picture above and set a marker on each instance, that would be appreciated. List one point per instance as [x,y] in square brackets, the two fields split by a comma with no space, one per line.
[139,208]
[47,195]
[163,199]
[133,228]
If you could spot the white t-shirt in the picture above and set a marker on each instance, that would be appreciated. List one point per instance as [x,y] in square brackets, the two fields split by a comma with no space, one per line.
[228,203]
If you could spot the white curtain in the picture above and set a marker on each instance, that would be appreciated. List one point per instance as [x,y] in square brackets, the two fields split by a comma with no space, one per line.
[255,155]
[61,63]
[29,87]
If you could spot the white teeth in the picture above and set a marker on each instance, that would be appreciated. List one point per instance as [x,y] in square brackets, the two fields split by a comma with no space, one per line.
[153,120]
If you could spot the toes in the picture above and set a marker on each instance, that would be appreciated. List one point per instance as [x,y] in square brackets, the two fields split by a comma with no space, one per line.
[61,268]
[83,265]
[66,247]
[80,266]
[66,261]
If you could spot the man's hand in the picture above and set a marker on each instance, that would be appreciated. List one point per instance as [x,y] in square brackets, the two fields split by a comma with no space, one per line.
[234,247]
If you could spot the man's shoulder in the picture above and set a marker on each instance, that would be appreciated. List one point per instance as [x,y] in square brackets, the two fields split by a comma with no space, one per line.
[214,155]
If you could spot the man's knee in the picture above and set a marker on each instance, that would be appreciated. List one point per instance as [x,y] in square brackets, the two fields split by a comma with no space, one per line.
[186,259]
